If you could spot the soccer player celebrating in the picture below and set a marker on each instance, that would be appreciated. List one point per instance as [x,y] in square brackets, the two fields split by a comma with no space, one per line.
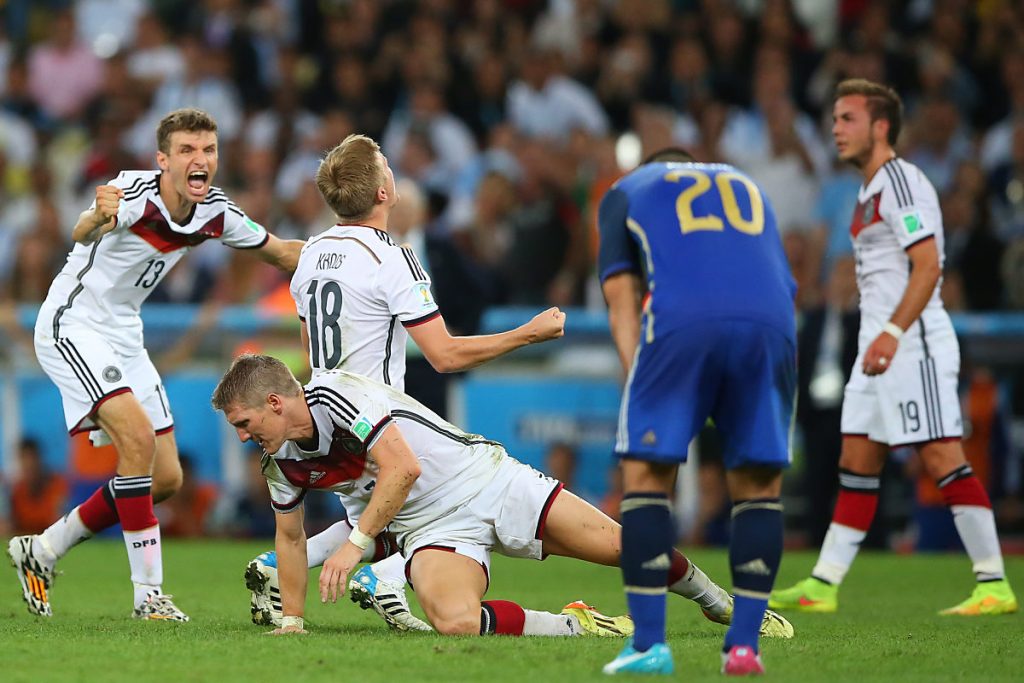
[360,296]
[450,497]
[88,339]
[700,302]
[903,389]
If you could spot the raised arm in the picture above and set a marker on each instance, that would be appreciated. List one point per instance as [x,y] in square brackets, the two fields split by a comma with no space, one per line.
[282,254]
[455,354]
[96,222]
[398,470]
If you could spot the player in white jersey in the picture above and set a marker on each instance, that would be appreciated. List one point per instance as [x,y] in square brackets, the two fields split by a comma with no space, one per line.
[903,388]
[450,497]
[359,296]
[88,339]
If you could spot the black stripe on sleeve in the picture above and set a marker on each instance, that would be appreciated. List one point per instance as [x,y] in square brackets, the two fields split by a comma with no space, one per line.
[260,245]
[901,200]
[422,319]
[902,176]
[340,411]
[339,397]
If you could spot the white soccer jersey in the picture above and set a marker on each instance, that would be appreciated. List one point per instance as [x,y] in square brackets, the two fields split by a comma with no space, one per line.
[349,414]
[103,284]
[895,210]
[352,287]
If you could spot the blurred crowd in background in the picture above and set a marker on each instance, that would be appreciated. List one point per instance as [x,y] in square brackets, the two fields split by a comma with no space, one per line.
[506,120]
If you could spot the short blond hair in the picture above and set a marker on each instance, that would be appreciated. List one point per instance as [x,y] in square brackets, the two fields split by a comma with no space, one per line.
[250,379]
[189,120]
[349,177]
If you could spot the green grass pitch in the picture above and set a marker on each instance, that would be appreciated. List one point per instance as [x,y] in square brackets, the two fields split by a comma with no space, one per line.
[886,629]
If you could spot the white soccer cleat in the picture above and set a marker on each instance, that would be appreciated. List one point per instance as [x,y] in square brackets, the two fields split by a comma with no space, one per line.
[35,573]
[387,599]
[265,601]
[159,607]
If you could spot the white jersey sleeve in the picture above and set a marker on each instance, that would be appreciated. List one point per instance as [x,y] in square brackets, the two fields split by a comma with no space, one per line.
[405,286]
[909,206]
[284,496]
[240,231]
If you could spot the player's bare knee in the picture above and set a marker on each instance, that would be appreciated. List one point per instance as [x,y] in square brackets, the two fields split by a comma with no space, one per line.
[166,484]
[463,624]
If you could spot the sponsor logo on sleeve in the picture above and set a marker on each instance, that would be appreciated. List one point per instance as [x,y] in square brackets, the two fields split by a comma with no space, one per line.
[912,223]
[424,293]
[362,428]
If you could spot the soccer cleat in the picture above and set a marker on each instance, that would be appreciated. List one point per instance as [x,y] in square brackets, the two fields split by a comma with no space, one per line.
[594,623]
[741,660]
[655,660]
[265,601]
[988,598]
[386,598]
[773,625]
[158,607]
[810,595]
[35,573]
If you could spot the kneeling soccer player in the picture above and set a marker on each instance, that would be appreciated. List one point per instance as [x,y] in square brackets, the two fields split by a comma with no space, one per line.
[450,498]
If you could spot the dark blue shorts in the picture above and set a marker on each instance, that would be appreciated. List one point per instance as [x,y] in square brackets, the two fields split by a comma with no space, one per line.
[741,374]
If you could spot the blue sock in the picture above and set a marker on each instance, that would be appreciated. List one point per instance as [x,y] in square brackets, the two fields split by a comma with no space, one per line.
[647,535]
[755,551]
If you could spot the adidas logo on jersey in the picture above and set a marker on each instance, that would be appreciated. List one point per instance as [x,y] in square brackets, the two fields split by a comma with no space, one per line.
[660,562]
[757,566]
[649,438]
[315,476]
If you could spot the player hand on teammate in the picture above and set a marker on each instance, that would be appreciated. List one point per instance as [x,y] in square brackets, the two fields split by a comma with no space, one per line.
[547,325]
[878,357]
[108,201]
[335,572]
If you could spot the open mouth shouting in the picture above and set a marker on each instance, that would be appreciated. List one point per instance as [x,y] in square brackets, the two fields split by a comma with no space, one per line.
[198,183]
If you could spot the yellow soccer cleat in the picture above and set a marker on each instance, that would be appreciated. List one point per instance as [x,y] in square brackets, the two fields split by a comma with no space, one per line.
[988,598]
[773,625]
[810,595]
[593,623]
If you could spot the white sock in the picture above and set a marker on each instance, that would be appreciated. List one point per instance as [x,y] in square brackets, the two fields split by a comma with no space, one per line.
[548,624]
[837,553]
[391,569]
[323,545]
[145,560]
[696,586]
[63,535]
[977,528]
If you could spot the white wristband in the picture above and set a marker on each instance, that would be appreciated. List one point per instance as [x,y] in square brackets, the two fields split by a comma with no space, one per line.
[292,621]
[359,539]
[892,329]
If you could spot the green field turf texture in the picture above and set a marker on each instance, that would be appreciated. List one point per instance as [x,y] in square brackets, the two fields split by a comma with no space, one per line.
[886,630]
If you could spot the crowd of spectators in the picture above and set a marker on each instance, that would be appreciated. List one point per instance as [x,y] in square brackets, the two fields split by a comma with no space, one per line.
[508,119]
[512,117]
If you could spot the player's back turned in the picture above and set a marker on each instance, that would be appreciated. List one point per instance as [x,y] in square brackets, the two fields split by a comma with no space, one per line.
[718,255]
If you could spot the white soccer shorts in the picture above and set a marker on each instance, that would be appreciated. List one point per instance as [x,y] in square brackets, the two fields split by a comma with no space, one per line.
[916,399]
[88,371]
[507,516]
